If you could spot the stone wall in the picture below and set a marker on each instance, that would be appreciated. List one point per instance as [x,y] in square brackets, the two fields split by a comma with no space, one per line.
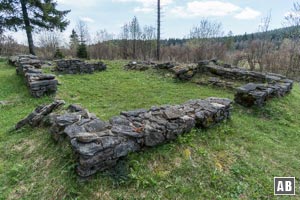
[260,87]
[145,65]
[99,145]
[26,60]
[38,83]
[139,66]
[76,66]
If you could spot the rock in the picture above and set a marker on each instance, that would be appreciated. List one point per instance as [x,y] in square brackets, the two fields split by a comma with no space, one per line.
[76,66]
[257,94]
[172,113]
[166,65]
[75,108]
[36,117]
[67,119]
[96,125]
[140,66]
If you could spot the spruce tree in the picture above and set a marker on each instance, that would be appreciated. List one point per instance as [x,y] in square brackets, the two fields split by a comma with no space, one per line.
[58,54]
[31,15]
[82,51]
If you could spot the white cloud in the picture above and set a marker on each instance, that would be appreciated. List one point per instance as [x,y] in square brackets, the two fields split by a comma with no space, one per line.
[214,9]
[146,5]
[205,9]
[87,19]
[78,3]
[144,9]
[247,13]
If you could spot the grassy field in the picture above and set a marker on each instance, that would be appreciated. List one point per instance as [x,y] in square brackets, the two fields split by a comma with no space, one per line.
[235,160]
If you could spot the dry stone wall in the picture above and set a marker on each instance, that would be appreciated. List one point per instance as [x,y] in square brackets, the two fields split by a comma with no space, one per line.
[38,83]
[139,66]
[76,66]
[99,145]
[260,86]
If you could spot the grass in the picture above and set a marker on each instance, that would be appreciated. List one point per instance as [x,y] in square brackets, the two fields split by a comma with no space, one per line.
[235,160]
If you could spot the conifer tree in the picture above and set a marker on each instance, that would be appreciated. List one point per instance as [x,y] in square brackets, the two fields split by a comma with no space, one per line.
[31,15]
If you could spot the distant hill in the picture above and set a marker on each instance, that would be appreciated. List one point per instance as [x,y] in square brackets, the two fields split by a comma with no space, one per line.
[275,35]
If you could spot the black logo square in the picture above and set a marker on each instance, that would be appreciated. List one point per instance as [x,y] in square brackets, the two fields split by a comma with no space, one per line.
[284,185]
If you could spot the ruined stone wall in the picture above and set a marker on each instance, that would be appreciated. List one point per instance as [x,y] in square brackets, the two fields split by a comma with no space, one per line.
[38,83]
[76,66]
[261,86]
[99,145]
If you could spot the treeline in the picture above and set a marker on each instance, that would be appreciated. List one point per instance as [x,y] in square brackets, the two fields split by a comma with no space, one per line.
[274,51]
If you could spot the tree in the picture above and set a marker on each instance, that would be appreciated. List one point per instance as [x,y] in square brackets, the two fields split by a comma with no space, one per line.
[74,42]
[206,29]
[82,51]
[204,40]
[84,37]
[124,35]
[293,18]
[58,54]
[148,37]
[135,33]
[49,41]
[158,31]
[31,15]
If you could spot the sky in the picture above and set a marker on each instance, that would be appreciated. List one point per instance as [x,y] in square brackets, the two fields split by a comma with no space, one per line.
[178,17]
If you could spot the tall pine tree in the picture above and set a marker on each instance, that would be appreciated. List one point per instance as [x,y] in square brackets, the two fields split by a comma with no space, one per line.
[31,15]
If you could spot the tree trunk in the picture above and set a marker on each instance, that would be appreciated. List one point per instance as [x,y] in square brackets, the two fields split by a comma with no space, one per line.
[134,48]
[27,27]
[158,31]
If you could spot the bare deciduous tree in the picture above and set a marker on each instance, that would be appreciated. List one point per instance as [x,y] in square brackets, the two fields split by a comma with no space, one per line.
[48,42]
[206,29]
[293,17]
[83,32]
[135,34]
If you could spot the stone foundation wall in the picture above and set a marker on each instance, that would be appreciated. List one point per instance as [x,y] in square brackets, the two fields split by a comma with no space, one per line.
[265,86]
[261,87]
[38,83]
[75,66]
[139,66]
[99,145]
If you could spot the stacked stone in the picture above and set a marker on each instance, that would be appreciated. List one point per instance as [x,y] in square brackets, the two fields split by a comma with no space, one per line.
[257,94]
[76,66]
[25,60]
[269,84]
[217,82]
[38,83]
[100,145]
[167,65]
[184,72]
[235,73]
[139,66]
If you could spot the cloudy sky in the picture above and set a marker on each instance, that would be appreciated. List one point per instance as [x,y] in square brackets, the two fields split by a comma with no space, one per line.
[179,16]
